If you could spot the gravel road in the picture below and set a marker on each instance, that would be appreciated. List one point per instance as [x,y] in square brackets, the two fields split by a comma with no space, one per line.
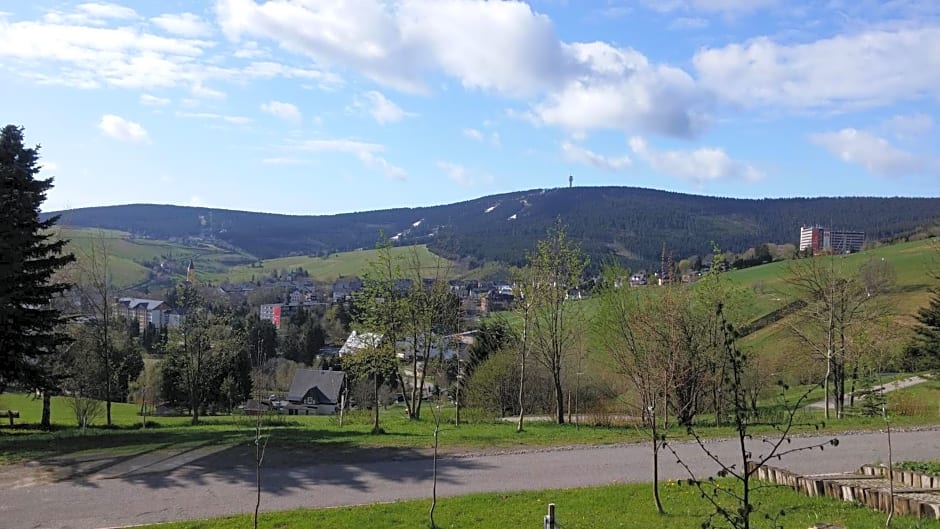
[164,486]
[887,388]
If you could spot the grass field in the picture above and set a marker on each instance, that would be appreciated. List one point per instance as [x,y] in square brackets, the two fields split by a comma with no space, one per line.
[627,506]
[339,264]
[129,256]
[315,436]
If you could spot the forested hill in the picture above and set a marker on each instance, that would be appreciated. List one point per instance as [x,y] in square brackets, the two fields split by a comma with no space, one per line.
[631,223]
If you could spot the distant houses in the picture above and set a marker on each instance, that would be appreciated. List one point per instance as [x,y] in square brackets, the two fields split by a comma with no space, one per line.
[147,312]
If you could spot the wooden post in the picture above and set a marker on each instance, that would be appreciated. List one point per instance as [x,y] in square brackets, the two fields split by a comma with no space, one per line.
[550,517]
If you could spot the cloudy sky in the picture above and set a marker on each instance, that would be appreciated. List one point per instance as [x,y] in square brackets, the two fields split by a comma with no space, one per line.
[309,107]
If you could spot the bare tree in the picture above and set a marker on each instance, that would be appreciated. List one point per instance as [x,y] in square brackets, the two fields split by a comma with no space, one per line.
[735,505]
[557,266]
[524,305]
[429,309]
[93,282]
[838,300]
[146,389]
[637,357]
[262,379]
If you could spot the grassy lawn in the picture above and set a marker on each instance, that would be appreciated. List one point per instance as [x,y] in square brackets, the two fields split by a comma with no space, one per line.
[329,268]
[922,399]
[317,436]
[628,506]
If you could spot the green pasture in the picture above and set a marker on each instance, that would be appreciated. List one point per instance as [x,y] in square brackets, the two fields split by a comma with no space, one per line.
[329,268]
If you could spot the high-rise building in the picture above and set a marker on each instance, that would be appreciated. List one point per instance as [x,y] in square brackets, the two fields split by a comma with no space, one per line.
[820,239]
[811,237]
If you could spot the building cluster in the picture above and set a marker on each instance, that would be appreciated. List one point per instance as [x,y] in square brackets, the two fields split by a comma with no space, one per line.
[476,297]
[819,239]
[148,312]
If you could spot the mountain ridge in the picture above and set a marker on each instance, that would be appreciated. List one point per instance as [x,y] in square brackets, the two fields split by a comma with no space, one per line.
[626,224]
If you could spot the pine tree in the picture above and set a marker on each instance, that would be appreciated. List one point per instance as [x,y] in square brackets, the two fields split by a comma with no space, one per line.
[29,258]
[924,350]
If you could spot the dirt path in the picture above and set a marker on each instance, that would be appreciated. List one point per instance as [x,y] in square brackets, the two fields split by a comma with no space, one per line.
[202,483]
[887,388]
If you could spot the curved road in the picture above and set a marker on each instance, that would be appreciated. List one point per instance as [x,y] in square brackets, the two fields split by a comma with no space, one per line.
[207,482]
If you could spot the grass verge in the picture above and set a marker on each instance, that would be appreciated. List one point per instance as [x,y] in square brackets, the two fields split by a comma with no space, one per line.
[316,436]
[628,506]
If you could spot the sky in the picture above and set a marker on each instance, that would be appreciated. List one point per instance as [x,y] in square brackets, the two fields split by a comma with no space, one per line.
[319,107]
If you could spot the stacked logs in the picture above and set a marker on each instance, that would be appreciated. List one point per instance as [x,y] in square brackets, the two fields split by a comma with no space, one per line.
[915,494]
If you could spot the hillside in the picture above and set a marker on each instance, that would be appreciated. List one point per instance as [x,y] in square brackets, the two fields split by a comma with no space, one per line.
[627,224]
[137,261]
[327,269]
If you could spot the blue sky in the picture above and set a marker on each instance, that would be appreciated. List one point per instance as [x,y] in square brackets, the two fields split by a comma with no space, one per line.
[313,107]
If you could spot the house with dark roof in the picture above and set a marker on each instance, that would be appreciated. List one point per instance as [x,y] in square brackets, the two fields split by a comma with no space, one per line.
[315,392]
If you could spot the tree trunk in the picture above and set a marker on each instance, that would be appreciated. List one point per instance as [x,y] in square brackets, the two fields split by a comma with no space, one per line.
[659,504]
[437,429]
[559,396]
[525,329]
[375,420]
[46,421]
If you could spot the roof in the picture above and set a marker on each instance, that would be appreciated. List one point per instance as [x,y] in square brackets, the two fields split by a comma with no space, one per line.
[326,385]
[357,341]
[149,304]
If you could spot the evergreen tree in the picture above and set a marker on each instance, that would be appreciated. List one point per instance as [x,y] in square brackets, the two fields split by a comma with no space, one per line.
[924,350]
[29,258]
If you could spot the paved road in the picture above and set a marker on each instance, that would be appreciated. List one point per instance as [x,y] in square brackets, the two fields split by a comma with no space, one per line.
[887,388]
[206,482]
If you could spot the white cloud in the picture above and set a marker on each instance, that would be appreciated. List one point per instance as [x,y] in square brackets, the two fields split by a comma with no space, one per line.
[285,161]
[478,135]
[49,166]
[380,108]
[689,23]
[72,49]
[396,44]
[699,165]
[473,134]
[250,50]
[502,47]
[285,111]
[871,68]
[729,7]
[377,162]
[200,90]
[183,24]
[234,120]
[153,101]
[577,154]
[122,129]
[367,153]
[462,176]
[910,125]
[107,10]
[620,89]
[875,154]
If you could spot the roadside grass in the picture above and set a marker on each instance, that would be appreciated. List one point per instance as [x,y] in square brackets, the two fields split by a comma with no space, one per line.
[627,506]
[321,436]
[921,399]
[926,467]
